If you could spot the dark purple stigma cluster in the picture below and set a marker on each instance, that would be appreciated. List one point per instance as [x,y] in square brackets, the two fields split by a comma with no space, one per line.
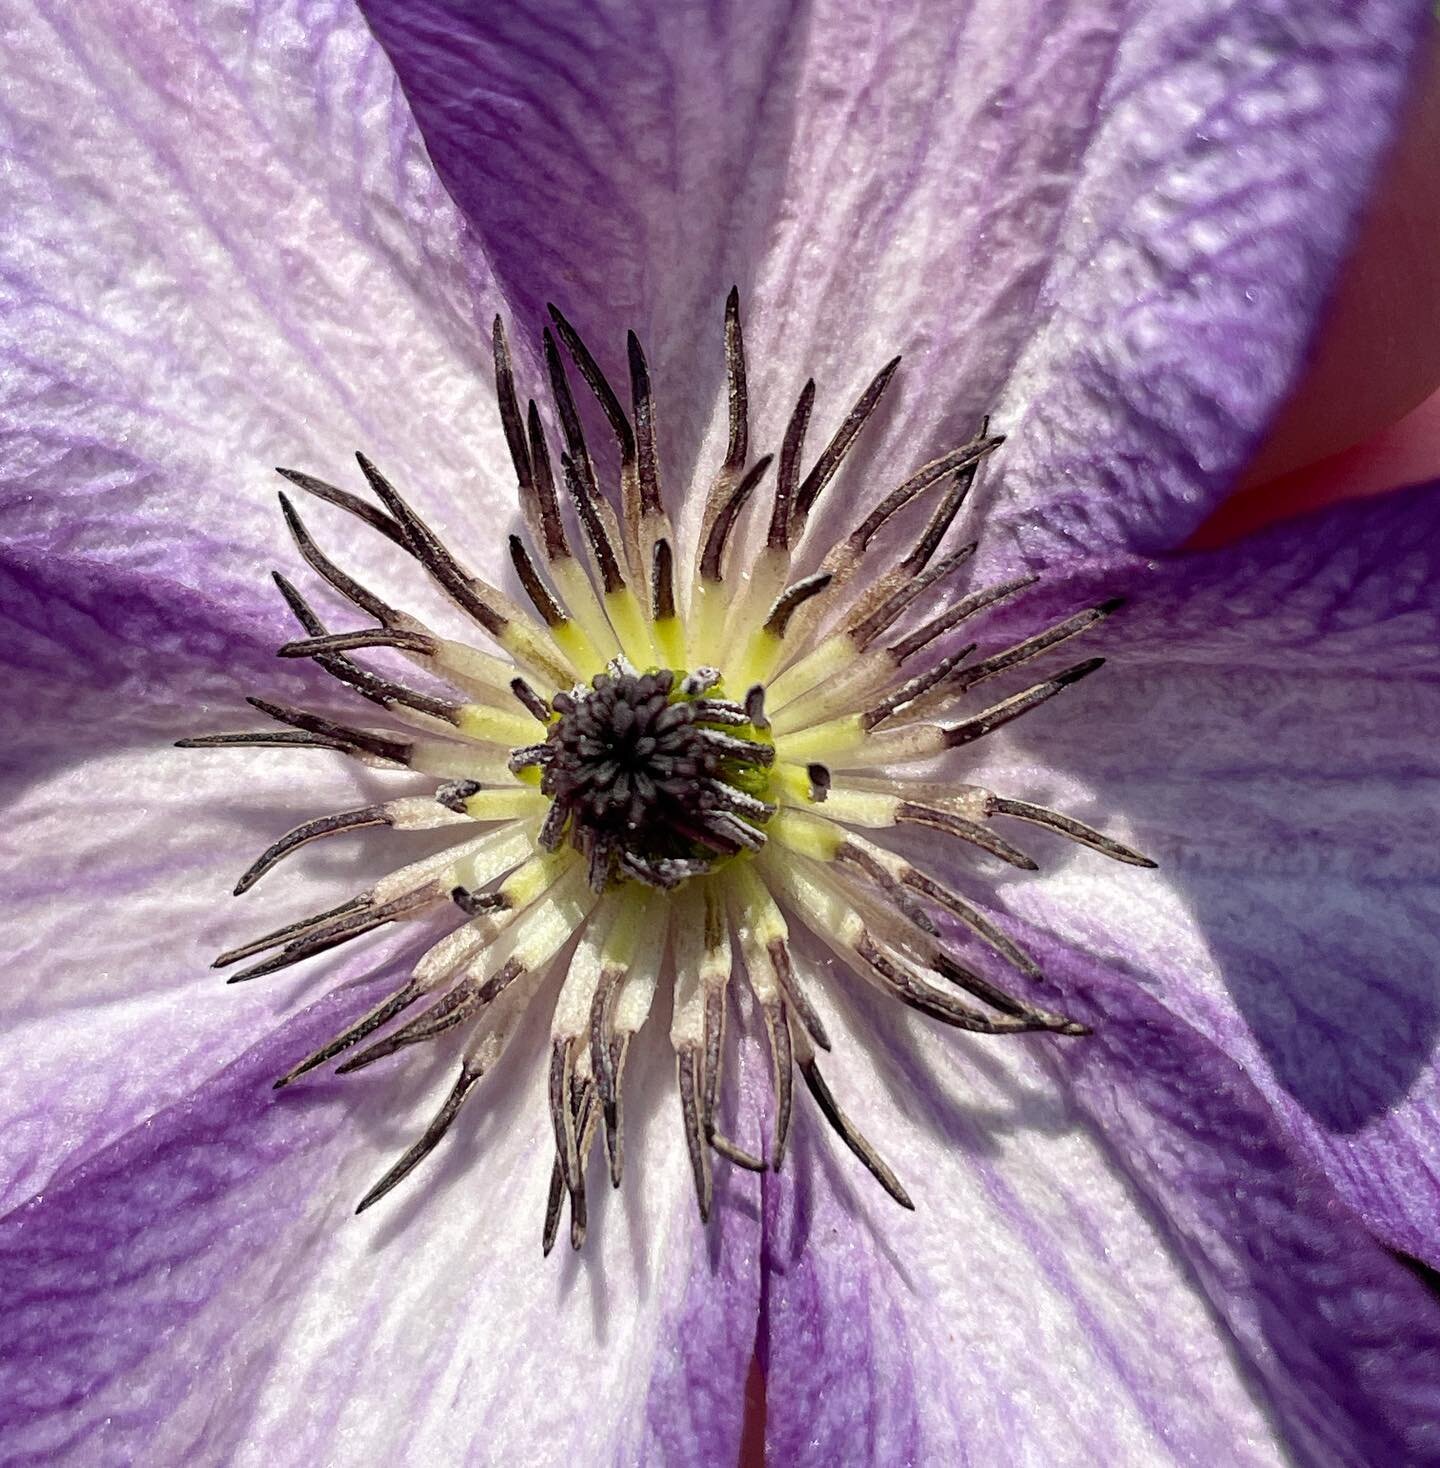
[647,776]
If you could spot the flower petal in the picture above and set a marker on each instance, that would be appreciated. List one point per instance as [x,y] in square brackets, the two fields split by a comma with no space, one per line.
[199,1292]
[117,872]
[1076,215]
[1265,730]
[1219,197]
[226,250]
[1115,1258]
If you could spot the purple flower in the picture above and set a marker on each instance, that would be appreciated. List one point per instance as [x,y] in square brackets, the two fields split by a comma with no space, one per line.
[1109,228]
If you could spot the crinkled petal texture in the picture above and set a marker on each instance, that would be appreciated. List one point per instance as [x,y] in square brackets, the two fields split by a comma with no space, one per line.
[1265,729]
[195,211]
[1117,1257]
[227,248]
[1112,225]
[196,1294]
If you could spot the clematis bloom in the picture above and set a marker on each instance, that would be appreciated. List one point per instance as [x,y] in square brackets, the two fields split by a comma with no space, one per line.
[1109,228]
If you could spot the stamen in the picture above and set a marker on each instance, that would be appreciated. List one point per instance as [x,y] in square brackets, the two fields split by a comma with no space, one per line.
[914,813]
[440,1018]
[388,1008]
[919,996]
[963,609]
[444,1119]
[614,1110]
[795,995]
[1010,708]
[333,642]
[973,919]
[350,739]
[792,599]
[477,904]
[551,612]
[868,628]
[554,1206]
[260,739]
[569,415]
[532,700]
[469,594]
[945,512]
[323,566]
[547,524]
[847,1132]
[376,519]
[695,1141]
[643,405]
[916,484]
[293,840]
[1032,647]
[712,560]
[509,403]
[562,1072]
[908,692]
[366,684]
[727,1149]
[343,930]
[836,450]
[737,448]
[788,478]
[1022,810]
[677,812]
[596,381]
[782,1071]
[997,998]
[662,581]
[854,853]
[289,931]
[602,548]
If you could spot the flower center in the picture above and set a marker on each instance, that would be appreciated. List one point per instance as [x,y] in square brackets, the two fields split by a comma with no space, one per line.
[775,795]
[651,777]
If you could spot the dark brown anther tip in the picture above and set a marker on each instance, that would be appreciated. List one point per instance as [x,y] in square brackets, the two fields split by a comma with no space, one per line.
[1079,671]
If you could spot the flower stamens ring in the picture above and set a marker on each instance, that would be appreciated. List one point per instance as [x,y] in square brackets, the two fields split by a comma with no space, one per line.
[666,773]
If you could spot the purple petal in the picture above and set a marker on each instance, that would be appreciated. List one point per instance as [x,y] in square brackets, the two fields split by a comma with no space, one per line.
[201,1292]
[226,250]
[117,869]
[1219,196]
[1113,225]
[1265,729]
[1117,1256]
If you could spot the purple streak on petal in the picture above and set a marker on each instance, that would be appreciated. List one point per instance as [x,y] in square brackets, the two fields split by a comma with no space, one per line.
[200,1290]
[227,250]
[695,1404]
[1131,214]
[1346,1341]
[874,181]
[840,1386]
[99,652]
[101,1273]
[569,134]
[1265,728]
[1342,1343]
